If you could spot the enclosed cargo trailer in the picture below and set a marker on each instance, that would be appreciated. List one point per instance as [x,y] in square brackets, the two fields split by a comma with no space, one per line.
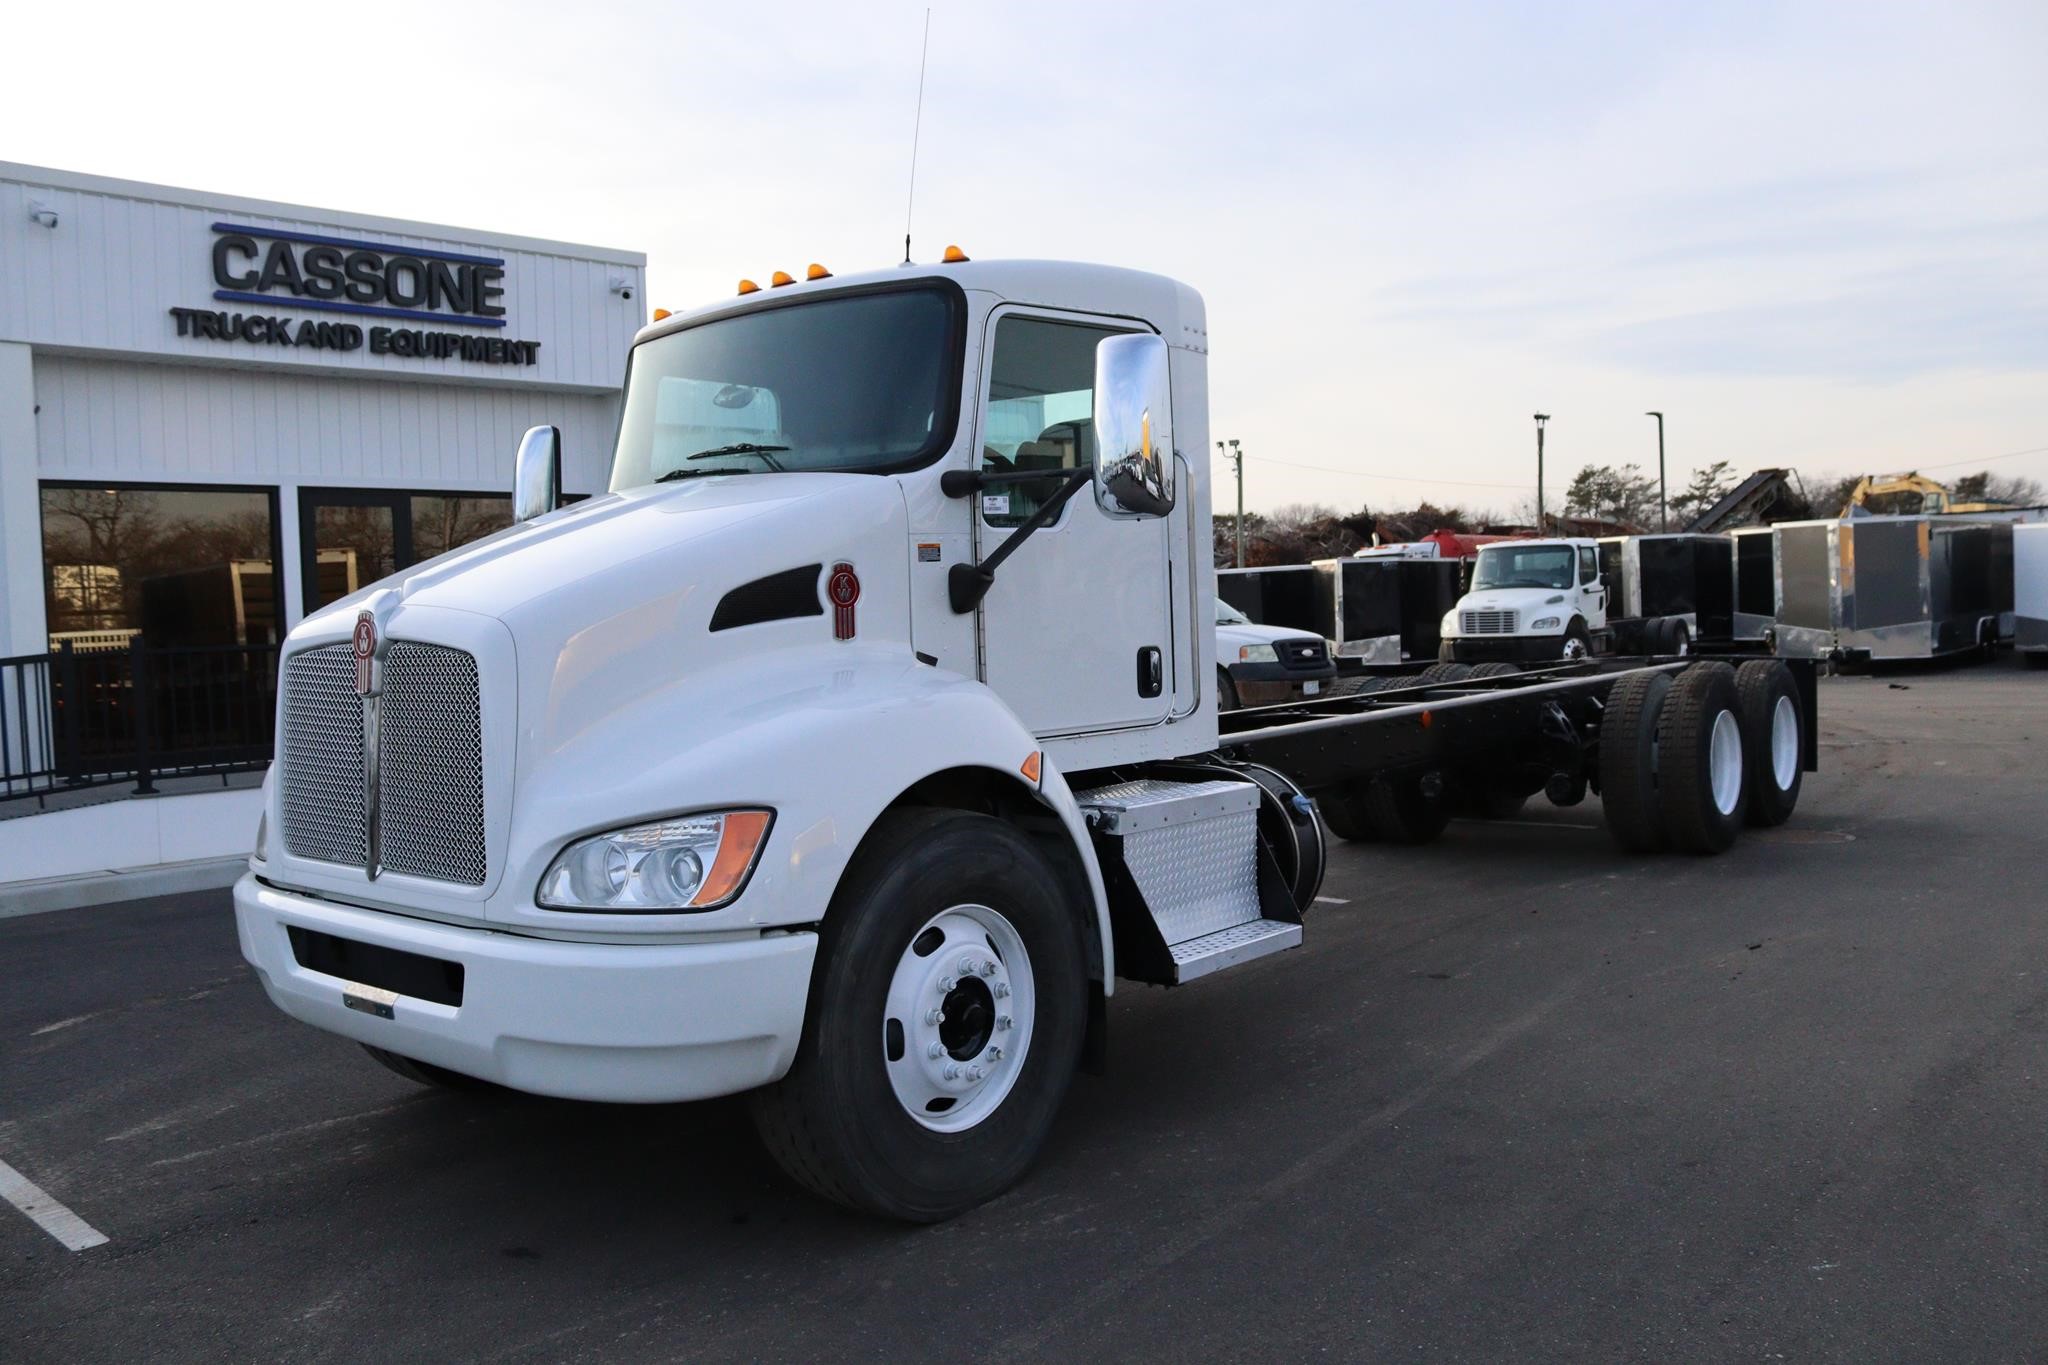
[1911,587]
[1281,595]
[1681,574]
[2030,591]
[1385,608]
[1756,582]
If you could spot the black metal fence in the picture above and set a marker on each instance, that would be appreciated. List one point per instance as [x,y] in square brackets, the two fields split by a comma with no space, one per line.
[75,718]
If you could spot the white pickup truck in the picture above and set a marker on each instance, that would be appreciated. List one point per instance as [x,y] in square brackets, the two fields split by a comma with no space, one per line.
[855,744]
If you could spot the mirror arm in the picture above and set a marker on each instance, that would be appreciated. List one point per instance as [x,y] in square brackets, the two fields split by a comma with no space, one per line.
[958,483]
[967,584]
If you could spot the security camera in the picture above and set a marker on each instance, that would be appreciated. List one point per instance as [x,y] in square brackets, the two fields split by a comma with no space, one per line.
[622,286]
[43,214]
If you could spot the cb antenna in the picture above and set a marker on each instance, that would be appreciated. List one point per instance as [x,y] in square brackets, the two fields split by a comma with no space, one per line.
[916,127]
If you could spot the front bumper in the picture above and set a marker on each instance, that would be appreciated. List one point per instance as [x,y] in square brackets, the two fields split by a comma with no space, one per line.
[1517,649]
[631,1023]
[1264,684]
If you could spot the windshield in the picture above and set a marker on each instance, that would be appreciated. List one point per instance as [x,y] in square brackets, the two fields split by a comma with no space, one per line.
[862,382]
[1526,566]
[1227,615]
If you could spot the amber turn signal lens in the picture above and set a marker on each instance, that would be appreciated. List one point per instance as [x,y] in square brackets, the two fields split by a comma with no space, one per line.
[749,287]
[740,843]
[817,272]
[780,278]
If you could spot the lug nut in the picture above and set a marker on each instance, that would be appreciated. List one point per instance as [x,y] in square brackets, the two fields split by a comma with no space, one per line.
[967,966]
[935,1051]
[935,1016]
[1002,989]
[995,1054]
[952,1072]
[975,1073]
[1003,1021]
[988,969]
[946,984]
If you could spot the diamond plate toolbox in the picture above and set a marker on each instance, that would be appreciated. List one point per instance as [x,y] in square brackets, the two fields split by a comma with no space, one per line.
[1192,848]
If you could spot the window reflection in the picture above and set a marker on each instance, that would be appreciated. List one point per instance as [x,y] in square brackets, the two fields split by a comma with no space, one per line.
[179,567]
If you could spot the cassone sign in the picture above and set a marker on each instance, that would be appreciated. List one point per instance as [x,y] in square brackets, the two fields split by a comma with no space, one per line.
[366,279]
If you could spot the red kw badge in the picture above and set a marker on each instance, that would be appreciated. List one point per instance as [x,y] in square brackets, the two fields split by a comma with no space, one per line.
[843,587]
[365,643]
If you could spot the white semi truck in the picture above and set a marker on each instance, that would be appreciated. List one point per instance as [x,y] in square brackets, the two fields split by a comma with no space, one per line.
[864,735]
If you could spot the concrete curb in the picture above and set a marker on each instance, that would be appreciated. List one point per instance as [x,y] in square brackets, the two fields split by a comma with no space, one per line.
[118,884]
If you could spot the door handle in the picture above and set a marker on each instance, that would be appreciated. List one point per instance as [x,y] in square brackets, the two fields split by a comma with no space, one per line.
[1151,672]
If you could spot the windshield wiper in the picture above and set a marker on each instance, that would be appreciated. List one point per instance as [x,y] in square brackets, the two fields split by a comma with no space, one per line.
[765,454]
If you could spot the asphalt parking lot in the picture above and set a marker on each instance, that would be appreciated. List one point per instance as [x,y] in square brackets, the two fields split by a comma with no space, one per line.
[1518,1096]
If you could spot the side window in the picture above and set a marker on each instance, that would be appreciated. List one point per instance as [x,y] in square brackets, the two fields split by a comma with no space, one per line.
[1589,565]
[1041,408]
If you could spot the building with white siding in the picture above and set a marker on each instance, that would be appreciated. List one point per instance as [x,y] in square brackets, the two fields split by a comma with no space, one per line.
[217,414]
[207,391]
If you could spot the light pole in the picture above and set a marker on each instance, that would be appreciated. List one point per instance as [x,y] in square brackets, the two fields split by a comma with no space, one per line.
[1541,418]
[1663,500]
[1236,458]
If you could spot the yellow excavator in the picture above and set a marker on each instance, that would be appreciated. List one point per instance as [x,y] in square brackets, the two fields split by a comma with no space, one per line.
[1934,497]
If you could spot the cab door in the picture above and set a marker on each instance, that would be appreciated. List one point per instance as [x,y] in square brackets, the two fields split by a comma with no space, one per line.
[1592,591]
[1076,631]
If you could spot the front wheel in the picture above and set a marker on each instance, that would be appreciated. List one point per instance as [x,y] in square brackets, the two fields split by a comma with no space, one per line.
[946,1016]
[1578,644]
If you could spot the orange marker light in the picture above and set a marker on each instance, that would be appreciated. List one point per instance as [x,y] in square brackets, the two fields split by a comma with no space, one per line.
[1031,767]
[817,272]
[736,849]
[661,313]
[749,287]
[780,278]
[954,255]
[1428,719]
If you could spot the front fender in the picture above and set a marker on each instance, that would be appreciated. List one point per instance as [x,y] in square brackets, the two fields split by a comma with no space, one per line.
[827,736]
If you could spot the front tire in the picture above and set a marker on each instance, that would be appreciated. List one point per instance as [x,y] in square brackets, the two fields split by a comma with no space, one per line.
[948,931]
[1226,692]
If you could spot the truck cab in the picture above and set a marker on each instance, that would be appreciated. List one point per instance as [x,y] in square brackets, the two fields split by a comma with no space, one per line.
[1530,601]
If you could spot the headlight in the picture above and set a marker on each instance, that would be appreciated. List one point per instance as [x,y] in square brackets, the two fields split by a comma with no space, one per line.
[262,836]
[1449,625]
[1258,654]
[690,862]
[1544,623]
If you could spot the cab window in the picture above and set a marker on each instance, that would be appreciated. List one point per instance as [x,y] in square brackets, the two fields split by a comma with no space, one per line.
[1589,565]
[1041,407]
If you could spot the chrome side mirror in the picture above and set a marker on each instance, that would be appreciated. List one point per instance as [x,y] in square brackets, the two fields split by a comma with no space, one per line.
[537,473]
[1133,427]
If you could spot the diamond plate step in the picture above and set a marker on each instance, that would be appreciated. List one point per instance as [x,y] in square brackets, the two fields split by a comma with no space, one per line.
[1228,947]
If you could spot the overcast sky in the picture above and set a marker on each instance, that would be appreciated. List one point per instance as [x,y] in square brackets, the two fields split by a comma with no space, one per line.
[1813,234]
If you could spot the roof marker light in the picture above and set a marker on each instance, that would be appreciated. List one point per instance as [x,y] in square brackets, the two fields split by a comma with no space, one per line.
[661,313]
[780,278]
[817,272]
[954,255]
[749,287]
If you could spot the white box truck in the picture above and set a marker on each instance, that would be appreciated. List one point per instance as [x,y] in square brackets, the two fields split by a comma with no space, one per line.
[854,745]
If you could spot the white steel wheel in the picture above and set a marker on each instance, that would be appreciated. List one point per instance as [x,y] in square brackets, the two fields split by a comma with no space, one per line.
[1574,650]
[957,1022]
[1724,762]
[1785,743]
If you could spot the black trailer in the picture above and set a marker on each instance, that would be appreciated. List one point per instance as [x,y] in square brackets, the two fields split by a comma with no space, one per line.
[1684,575]
[1282,595]
[1384,609]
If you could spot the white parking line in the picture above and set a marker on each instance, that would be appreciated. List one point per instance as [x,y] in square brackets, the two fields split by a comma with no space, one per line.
[52,1217]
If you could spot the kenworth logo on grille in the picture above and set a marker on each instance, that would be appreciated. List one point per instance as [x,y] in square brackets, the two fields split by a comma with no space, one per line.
[366,652]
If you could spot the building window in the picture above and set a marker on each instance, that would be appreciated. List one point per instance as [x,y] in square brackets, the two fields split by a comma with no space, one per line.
[176,566]
[351,537]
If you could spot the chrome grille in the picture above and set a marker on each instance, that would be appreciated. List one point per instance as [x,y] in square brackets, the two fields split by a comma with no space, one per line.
[430,754]
[322,783]
[431,750]
[1488,622]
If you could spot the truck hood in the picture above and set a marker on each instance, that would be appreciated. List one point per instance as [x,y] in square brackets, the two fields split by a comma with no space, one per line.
[1523,600]
[610,602]
[1234,635]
